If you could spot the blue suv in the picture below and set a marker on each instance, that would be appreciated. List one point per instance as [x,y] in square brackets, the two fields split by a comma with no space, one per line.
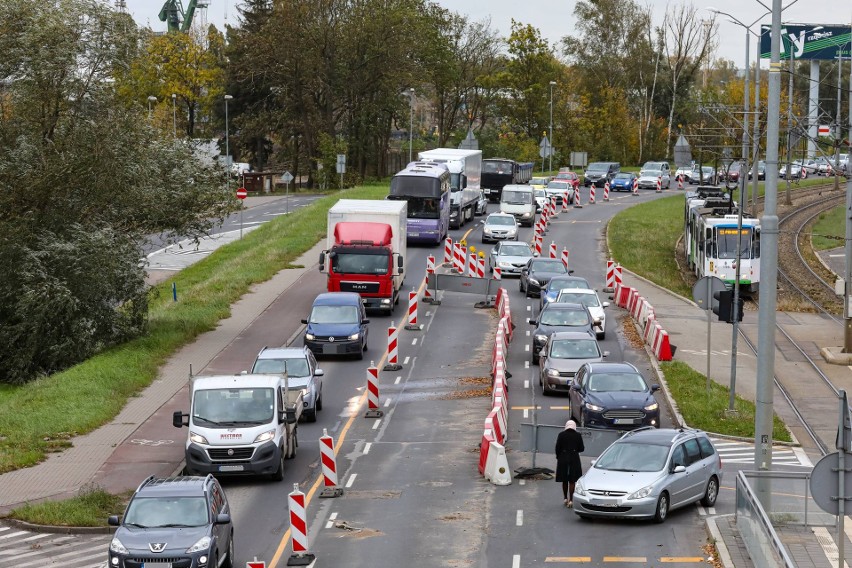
[337,325]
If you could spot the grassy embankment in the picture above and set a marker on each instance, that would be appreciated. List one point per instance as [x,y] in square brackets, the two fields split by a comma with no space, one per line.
[642,239]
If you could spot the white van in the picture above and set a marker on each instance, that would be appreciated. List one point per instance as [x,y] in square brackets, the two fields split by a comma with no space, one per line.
[519,200]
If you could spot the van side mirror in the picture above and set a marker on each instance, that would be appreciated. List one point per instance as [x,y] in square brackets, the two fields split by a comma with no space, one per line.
[305,321]
[113,521]
[322,261]
[179,419]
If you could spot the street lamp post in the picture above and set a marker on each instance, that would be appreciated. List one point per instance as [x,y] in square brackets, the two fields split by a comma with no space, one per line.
[174,114]
[151,99]
[228,161]
[550,140]
[410,123]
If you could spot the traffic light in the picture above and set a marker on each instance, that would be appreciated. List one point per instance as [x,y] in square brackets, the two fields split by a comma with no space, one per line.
[722,307]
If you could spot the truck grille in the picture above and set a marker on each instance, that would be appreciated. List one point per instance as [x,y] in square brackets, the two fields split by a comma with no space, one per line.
[360,287]
[222,454]
[634,414]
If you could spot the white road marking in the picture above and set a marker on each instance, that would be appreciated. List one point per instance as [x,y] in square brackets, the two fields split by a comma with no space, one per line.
[526,383]
[526,364]
[516,561]
[376,424]
[351,479]
[387,402]
[519,518]
[528,333]
[526,413]
[522,482]
[396,382]
[527,347]
[367,447]
[331,518]
[529,308]
[405,361]
[414,341]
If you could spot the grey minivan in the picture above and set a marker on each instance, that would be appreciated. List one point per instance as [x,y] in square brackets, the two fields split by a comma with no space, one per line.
[599,173]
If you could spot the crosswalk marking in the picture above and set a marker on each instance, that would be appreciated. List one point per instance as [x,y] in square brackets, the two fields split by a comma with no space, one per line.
[737,451]
[20,547]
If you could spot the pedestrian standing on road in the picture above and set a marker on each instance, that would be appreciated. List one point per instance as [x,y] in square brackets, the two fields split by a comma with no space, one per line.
[569,446]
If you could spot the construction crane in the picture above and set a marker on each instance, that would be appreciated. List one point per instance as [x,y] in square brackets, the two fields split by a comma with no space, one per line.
[173,14]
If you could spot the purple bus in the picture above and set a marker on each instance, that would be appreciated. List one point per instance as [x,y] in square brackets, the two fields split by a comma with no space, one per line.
[426,188]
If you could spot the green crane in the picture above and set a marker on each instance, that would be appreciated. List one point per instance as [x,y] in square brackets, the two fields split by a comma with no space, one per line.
[173,14]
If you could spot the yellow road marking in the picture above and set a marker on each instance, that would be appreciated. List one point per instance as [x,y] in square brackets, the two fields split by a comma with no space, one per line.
[682,559]
[560,408]
[624,559]
[525,407]
[568,559]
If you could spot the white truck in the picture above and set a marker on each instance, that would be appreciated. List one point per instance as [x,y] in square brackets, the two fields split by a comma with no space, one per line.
[240,425]
[366,250]
[465,168]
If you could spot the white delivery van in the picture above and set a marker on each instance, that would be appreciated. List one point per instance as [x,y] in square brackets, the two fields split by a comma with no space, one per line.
[240,425]
[519,200]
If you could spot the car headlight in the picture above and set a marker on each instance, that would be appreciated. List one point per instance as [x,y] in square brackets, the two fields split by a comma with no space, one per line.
[386,301]
[264,437]
[580,488]
[594,407]
[202,544]
[197,438]
[652,406]
[116,546]
[310,336]
[354,336]
[553,373]
[540,338]
[641,494]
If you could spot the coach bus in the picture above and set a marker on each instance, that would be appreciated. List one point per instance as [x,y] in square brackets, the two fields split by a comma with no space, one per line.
[426,188]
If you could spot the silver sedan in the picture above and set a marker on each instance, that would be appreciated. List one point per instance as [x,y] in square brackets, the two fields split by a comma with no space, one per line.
[511,257]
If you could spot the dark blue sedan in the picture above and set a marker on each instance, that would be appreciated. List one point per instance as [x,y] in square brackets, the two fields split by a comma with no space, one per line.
[623,181]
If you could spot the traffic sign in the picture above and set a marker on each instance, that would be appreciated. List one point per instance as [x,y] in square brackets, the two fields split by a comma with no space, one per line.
[256,564]
[287,177]
[705,287]
[242,193]
[825,482]
[545,150]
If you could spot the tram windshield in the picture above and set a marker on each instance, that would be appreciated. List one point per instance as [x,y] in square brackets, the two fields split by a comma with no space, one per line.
[726,242]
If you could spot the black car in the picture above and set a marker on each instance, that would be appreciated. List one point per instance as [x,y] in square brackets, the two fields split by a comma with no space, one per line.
[537,273]
[613,395]
[598,173]
[559,317]
[178,521]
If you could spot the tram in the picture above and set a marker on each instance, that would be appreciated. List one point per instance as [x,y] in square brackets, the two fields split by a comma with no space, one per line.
[710,239]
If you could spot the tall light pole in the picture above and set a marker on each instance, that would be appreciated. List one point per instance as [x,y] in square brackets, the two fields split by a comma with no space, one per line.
[227,145]
[174,114]
[151,99]
[410,123]
[550,140]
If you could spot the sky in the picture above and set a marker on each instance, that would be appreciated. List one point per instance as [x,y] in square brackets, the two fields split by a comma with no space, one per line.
[555,18]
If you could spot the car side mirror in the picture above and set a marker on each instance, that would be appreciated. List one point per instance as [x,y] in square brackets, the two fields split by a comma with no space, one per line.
[655,388]
[606,354]
[244,372]
[596,321]
[318,372]
[605,304]
[304,320]
[113,521]
[575,387]
[535,254]
[180,419]
[365,321]
[571,271]
[223,519]
[679,469]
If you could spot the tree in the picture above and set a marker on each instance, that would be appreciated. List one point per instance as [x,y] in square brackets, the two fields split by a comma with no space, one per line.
[84,179]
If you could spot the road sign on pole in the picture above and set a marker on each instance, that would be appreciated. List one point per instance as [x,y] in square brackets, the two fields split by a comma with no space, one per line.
[242,193]
[545,150]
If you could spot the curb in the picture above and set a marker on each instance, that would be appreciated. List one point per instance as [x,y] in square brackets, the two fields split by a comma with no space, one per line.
[23,525]
[719,542]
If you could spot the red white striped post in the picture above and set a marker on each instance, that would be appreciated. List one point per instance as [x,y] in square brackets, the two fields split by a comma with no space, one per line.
[471,263]
[577,197]
[659,184]
[635,186]
[592,194]
[393,349]
[537,245]
[448,251]
[412,312]
[329,466]
[498,274]
[298,528]
[565,257]
[373,410]
[458,257]
[554,210]
[617,273]
[606,191]
[430,269]
[565,201]
[610,276]
[552,250]
[480,265]
[680,181]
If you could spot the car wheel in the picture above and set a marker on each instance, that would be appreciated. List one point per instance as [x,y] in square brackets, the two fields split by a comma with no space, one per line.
[662,508]
[311,414]
[711,492]
[534,359]
[229,560]
[279,473]
[360,355]
[601,336]
[545,391]
[319,402]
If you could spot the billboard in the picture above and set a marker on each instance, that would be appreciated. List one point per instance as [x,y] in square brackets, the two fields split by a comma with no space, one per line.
[808,41]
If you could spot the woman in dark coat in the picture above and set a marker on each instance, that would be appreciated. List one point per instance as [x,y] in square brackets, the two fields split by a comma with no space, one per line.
[569,445]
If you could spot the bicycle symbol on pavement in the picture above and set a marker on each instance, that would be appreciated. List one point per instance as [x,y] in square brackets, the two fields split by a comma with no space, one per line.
[152,443]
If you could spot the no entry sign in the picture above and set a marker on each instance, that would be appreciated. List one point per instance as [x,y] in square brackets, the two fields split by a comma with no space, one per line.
[242,193]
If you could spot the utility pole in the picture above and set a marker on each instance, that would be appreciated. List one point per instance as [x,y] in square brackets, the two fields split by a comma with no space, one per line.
[769,270]
[550,140]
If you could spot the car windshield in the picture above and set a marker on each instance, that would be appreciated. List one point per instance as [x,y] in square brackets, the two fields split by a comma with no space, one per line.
[633,456]
[575,349]
[515,250]
[294,367]
[652,172]
[547,265]
[517,197]
[500,220]
[558,284]
[564,317]
[588,300]
[354,263]
[231,406]
[149,512]
[623,176]
[557,185]
[540,193]
[334,314]
[622,382]
[538,181]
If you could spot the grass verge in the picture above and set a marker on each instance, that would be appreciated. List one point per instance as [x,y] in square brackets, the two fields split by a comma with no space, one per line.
[708,411]
[90,508]
[830,229]
[42,416]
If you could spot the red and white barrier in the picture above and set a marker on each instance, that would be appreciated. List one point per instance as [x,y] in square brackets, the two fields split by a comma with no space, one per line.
[537,245]
[622,295]
[606,191]
[659,184]
[617,273]
[592,194]
[458,258]
[484,447]
[480,266]
[577,197]
[635,186]
[494,422]
[501,298]
[448,251]
[680,181]
[648,333]
[412,312]
[565,257]
[610,276]
[552,252]
[430,269]
[471,263]
[663,349]
[373,410]
[393,349]
[643,314]
[565,201]
[329,466]
[496,466]
[298,528]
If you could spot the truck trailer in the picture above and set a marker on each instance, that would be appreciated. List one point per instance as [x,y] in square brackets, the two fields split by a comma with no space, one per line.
[366,250]
[498,172]
[465,168]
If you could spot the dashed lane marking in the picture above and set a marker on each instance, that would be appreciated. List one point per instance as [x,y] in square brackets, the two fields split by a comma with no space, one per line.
[351,480]
[519,518]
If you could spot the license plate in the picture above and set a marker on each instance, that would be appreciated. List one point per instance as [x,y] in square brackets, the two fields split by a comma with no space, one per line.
[413,234]
[221,468]
[156,565]
[623,421]
[601,503]
[487,191]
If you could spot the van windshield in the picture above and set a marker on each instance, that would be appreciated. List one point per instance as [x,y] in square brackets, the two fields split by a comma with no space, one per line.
[334,314]
[233,406]
[597,168]
[517,197]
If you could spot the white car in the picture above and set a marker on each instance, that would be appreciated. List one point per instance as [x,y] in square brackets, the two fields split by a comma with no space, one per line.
[589,299]
[540,198]
[648,178]
[558,188]
[511,257]
[500,227]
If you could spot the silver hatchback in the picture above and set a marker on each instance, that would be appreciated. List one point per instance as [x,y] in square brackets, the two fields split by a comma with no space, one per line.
[648,472]
[562,355]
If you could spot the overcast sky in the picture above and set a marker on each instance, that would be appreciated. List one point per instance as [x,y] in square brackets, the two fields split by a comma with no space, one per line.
[555,18]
